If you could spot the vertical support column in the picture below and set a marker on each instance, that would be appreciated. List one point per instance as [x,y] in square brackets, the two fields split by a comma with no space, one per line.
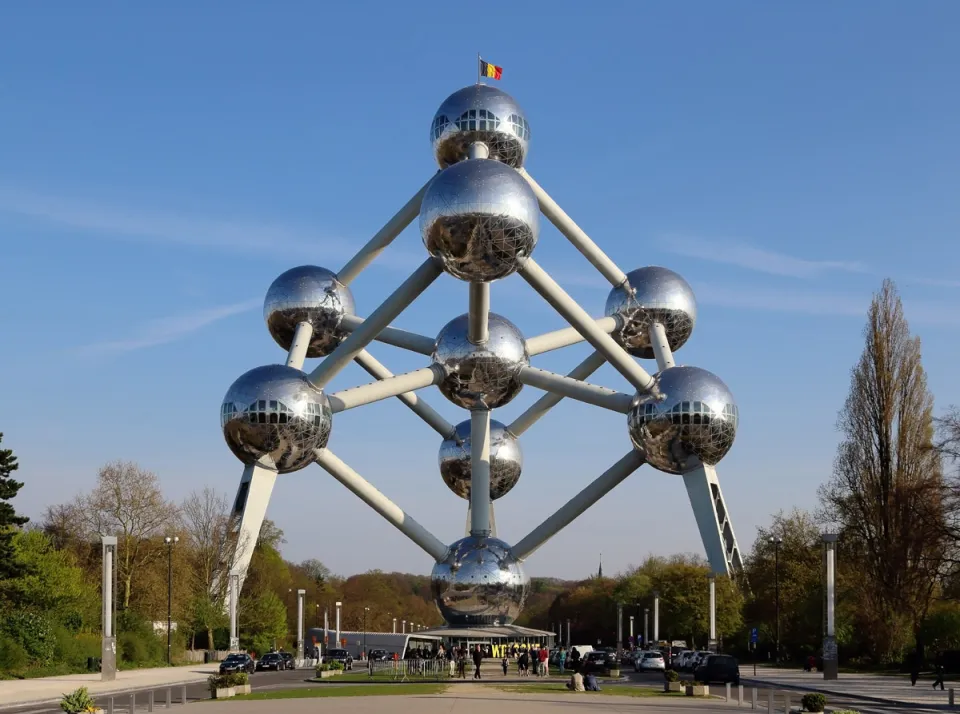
[403,627]
[646,628]
[326,627]
[300,596]
[830,660]
[234,590]
[108,646]
[394,625]
[619,630]
[632,641]
[480,472]
[712,644]
[479,315]
[339,605]
[568,633]
[656,616]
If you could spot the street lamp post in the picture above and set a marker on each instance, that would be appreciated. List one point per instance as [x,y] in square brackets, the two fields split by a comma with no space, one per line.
[170,543]
[365,611]
[646,627]
[777,540]
[394,625]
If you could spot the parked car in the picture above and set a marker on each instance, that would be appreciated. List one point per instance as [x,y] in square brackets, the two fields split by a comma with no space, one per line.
[649,662]
[289,660]
[238,662]
[680,659]
[379,656]
[718,668]
[341,656]
[598,661]
[271,660]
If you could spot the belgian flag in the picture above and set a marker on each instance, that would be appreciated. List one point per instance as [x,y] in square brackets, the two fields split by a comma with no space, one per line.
[490,70]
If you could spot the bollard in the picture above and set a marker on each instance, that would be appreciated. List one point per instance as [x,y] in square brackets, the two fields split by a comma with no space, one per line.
[753,698]
[133,703]
[726,697]
[770,700]
[739,695]
[110,705]
[951,696]
[169,697]
[150,701]
[183,695]
[786,702]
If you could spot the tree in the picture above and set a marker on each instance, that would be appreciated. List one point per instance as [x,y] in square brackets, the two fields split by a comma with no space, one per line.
[886,492]
[205,523]
[10,567]
[53,582]
[316,571]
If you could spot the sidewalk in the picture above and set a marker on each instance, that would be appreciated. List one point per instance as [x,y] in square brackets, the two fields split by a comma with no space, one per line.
[868,687]
[46,689]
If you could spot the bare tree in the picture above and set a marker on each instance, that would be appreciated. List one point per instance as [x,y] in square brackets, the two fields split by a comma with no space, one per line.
[127,502]
[948,427]
[886,492]
[316,571]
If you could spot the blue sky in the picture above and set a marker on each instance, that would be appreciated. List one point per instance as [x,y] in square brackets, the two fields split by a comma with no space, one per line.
[161,165]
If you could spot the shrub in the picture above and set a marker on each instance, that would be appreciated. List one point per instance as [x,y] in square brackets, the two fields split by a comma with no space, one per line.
[12,654]
[74,649]
[330,666]
[219,681]
[671,675]
[813,702]
[132,648]
[77,702]
[34,633]
[238,679]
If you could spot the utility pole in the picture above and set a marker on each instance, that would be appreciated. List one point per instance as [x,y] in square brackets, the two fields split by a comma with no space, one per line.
[777,540]
[170,543]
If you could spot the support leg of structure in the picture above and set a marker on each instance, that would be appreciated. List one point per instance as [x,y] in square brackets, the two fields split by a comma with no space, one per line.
[249,510]
[493,521]
[661,347]
[479,313]
[585,325]
[713,520]
[548,401]
[480,472]
[567,513]
[301,342]
[381,504]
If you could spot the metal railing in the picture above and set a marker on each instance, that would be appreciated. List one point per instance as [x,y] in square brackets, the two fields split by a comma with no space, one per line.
[145,699]
[409,670]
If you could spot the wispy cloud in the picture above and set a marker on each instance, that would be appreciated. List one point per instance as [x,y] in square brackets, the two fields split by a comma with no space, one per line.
[168,329]
[749,257]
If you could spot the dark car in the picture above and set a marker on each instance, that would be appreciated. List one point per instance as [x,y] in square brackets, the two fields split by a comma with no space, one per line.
[598,661]
[288,660]
[718,668]
[339,655]
[238,663]
[271,660]
[379,656]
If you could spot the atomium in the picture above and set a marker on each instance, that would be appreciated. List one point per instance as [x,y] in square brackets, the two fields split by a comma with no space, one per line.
[479,582]
[479,113]
[652,294]
[308,294]
[274,412]
[506,460]
[486,375]
[696,418]
[480,218]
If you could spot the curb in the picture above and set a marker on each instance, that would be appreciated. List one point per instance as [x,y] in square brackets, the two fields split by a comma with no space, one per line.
[760,684]
[100,695]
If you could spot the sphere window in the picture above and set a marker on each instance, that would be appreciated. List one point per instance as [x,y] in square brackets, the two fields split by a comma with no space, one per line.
[478,120]
[519,126]
[440,125]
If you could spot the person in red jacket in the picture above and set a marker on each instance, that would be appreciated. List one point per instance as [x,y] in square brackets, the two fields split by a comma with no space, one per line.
[544,655]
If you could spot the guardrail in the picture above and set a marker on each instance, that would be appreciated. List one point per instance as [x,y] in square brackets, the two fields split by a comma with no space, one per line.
[115,703]
[407,670]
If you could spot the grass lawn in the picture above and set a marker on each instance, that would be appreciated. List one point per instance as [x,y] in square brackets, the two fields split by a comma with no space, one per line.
[358,690]
[619,690]
[383,677]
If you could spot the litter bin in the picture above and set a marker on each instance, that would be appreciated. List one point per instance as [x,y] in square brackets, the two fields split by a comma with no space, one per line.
[208,656]
[93,664]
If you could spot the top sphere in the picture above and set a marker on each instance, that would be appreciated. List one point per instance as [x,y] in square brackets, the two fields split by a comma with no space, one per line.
[694,416]
[308,294]
[479,113]
[659,295]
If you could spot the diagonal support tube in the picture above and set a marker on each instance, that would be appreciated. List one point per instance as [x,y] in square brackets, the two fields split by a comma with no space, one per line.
[385,388]
[549,341]
[573,233]
[380,318]
[480,472]
[301,343]
[574,314]
[661,347]
[549,400]
[576,389]
[573,508]
[384,237]
[381,504]
[421,344]
[416,405]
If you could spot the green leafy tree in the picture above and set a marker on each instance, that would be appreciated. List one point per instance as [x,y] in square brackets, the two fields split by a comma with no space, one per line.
[53,582]
[264,620]
[10,567]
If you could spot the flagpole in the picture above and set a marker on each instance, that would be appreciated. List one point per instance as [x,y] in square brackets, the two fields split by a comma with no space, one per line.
[479,64]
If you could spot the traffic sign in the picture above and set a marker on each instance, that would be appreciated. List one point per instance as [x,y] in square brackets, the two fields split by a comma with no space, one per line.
[754,635]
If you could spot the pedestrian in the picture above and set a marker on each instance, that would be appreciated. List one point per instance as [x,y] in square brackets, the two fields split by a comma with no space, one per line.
[462,663]
[562,658]
[938,670]
[914,669]
[504,664]
[477,661]
[522,662]
[544,656]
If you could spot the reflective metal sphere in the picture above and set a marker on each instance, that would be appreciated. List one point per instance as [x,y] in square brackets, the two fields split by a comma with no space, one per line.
[506,460]
[660,295]
[274,411]
[484,114]
[479,583]
[696,417]
[479,218]
[484,375]
[308,294]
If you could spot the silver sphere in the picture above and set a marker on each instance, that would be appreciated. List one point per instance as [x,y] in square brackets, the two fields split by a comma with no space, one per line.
[479,113]
[506,460]
[274,411]
[480,218]
[479,582]
[486,375]
[308,294]
[660,295]
[695,417]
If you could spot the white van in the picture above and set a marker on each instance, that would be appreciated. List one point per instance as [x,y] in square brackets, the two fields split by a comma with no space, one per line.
[581,649]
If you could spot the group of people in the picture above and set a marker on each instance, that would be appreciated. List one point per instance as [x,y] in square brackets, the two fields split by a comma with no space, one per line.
[535,659]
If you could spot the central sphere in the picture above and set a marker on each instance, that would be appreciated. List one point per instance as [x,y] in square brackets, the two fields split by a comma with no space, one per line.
[658,295]
[506,460]
[308,294]
[275,412]
[481,376]
[480,218]
[480,113]
[696,417]
[479,582]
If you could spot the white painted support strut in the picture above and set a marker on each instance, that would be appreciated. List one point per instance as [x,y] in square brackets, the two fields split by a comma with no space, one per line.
[713,521]
[381,504]
[585,325]
[383,238]
[576,389]
[385,388]
[573,233]
[549,400]
[249,510]
[549,341]
[479,313]
[661,347]
[421,344]
[417,405]
[480,472]
[380,318]
[573,508]
[301,342]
